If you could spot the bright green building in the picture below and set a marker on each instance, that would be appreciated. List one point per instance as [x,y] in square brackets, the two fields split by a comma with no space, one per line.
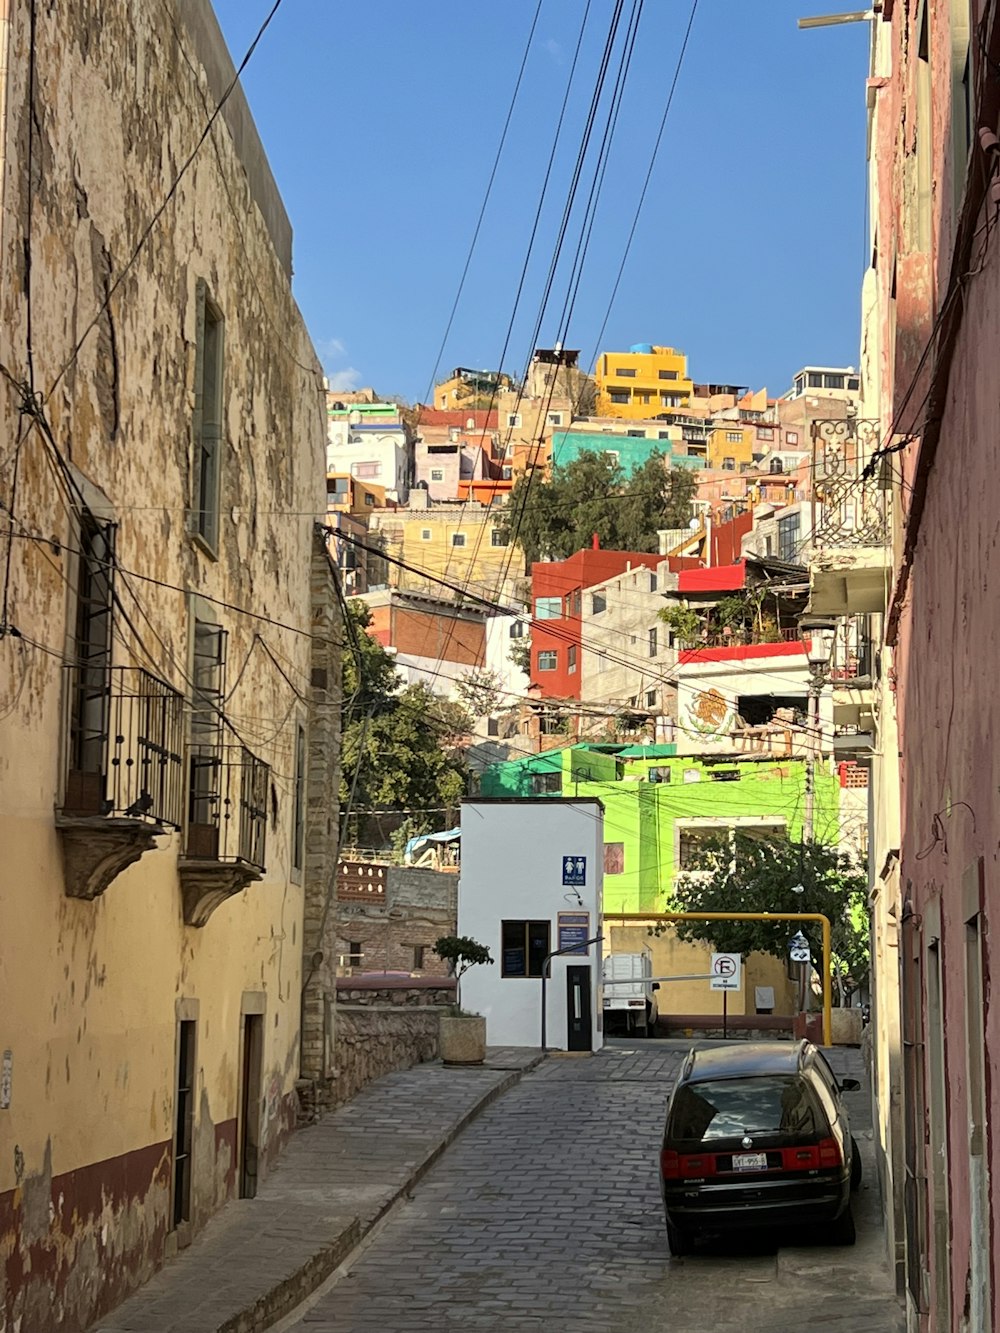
[659,806]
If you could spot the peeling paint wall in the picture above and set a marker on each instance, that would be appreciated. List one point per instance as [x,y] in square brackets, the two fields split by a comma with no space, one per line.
[92,989]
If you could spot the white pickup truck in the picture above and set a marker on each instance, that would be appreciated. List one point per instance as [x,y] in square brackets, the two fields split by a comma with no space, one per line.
[629,994]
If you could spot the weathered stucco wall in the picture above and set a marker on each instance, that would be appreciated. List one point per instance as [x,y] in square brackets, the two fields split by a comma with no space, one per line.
[93,990]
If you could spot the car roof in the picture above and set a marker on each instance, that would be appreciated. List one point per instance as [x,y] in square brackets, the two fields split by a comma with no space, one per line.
[745,1059]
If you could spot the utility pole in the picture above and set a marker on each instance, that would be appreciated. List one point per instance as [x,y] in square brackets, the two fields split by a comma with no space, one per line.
[819,633]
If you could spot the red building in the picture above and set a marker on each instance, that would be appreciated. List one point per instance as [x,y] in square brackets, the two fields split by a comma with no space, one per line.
[557,603]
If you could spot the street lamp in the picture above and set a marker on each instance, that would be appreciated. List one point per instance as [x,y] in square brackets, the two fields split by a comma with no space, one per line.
[819,633]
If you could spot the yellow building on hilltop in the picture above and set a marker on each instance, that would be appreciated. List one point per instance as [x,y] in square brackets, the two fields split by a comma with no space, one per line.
[642,383]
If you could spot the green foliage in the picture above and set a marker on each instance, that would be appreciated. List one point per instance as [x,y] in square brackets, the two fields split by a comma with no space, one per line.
[461,952]
[742,617]
[684,623]
[752,874]
[480,691]
[554,517]
[520,654]
[402,748]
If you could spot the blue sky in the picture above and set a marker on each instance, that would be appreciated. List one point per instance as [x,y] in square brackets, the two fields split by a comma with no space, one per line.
[382,119]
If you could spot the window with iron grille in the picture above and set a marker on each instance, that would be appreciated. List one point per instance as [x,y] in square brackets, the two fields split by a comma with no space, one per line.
[90,677]
[208,680]
[299,812]
[789,529]
[208,417]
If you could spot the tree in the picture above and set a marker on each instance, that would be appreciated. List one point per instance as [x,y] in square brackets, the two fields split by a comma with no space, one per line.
[461,952]
[402,747]
[480,691]
[745,873]
[553,517]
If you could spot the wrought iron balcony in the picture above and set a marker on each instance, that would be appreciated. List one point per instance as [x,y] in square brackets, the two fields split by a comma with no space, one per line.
[227,805]
[852,658]
[126,741]
[225,839]
[124,780]
[849,509]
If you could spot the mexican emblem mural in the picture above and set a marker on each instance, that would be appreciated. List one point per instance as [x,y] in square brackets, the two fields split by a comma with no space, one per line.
[709,714]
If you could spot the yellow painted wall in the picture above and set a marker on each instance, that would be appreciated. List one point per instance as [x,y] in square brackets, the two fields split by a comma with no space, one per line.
[89,989]
[478,564]
[644,386]
[674,957]
[731,440]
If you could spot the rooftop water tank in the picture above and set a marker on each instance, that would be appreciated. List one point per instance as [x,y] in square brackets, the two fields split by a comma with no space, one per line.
[642,349]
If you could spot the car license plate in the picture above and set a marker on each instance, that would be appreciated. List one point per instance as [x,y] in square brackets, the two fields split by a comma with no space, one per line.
[749,1161]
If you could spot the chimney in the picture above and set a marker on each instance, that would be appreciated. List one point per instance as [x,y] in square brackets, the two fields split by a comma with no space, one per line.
[595,542]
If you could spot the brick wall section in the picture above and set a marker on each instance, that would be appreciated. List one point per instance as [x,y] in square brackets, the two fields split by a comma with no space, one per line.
[317,1060]
[392,914]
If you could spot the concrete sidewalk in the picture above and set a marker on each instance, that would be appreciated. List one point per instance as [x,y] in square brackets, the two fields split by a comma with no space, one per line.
[258,1258]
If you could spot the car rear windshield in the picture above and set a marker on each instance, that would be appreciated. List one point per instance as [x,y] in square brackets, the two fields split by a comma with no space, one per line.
[730,1107]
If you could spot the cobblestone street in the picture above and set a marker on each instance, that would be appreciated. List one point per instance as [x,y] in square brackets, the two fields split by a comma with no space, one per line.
[546,1213]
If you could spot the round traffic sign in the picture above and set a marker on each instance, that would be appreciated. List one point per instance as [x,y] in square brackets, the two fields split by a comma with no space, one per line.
[725,966]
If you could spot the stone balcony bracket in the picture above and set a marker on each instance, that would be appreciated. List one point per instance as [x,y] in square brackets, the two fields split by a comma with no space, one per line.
[96,849]
[207,884]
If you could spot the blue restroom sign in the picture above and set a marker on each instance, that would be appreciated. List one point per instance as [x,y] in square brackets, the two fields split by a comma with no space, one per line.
[574,871]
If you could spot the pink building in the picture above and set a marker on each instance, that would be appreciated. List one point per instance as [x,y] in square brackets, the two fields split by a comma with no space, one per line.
[929,373]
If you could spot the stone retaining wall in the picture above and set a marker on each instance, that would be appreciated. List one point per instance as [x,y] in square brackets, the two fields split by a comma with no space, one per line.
[373,1041]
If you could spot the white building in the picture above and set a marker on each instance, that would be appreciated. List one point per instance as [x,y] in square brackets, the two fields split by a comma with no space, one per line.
[371,442]
[751,699]
[532,880]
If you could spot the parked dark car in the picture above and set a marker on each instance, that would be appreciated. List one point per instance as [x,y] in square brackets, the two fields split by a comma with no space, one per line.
[757,1136]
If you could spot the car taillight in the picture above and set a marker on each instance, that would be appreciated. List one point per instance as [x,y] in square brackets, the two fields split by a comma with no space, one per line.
[800,1159]
[676,1167]
[829,1153]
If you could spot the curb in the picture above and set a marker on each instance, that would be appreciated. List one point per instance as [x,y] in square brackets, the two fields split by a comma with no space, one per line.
[292,1291]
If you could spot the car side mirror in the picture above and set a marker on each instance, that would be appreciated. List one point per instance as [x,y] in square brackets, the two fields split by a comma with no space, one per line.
[850,1085]
[656,985]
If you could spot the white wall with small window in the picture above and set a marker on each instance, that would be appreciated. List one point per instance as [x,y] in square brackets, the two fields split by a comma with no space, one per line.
[512,897]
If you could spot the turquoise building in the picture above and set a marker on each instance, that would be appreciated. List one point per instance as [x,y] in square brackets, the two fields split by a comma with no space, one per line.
[632,450]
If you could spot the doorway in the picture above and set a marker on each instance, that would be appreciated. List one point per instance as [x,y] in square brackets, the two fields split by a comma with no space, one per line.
[250,1098]
[579,1023]
[183,1121]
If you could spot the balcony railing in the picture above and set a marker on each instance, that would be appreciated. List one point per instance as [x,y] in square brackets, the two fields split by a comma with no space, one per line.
[852,657]
[227,806]
[849,509]
[126,744]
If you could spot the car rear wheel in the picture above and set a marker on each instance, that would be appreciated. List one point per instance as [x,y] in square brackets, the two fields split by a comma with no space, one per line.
[678,1240]
[842,1231]
[855,1164]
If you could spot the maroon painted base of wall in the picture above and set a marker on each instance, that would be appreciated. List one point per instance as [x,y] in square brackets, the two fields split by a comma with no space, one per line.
[62,1255]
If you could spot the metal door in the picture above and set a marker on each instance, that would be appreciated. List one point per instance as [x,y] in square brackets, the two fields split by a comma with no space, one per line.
[579,1030]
